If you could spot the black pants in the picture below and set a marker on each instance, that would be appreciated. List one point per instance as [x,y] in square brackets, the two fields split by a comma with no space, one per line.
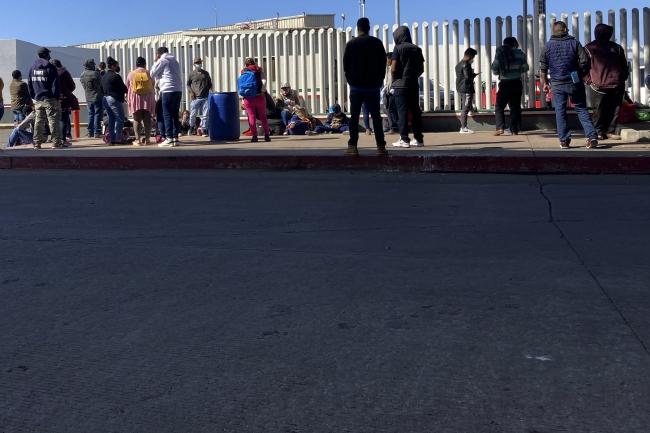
[605,110]
[372,100]
[509,94]
[466,105]
[391,110]
[408,100]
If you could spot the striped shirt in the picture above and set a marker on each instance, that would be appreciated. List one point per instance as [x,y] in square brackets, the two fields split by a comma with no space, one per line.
[518,66]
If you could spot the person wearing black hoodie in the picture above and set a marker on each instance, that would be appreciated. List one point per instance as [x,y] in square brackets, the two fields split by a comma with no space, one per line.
[91,80]
[45,90]
[407,64]
[364,64]
[607,76]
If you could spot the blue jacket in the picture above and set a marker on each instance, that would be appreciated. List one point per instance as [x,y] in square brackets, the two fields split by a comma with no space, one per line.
[562,55]
[43,81]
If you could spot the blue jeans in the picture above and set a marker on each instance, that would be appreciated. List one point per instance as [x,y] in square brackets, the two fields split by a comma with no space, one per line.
[18,115]
[115,112]
[199,104]
[323,129]
[95,115]
[160,119]
[26,137]
[576,91]
[286,117]
[171,105]
[371,98]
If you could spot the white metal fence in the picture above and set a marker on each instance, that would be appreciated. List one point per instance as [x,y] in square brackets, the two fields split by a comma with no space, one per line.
[311,60]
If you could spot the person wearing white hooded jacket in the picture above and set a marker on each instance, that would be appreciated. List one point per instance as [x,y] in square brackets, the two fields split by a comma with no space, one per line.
[167,72]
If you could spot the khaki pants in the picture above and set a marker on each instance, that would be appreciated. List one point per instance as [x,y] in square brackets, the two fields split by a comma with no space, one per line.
[47,111]
[140,117]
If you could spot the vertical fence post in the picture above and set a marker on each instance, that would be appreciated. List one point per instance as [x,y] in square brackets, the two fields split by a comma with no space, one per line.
[279,71]
[436,66]
[218,76]
[330,67]
[530,80]
[467,28]
[76,124]
[320,73]
[427,67]
[415,33]
[339,67]
[488,63]
[295,81]
[542,40]
[636,72]
[477,63]
[520,37]
[575,27]
[312,71]
[302,65]
[286,72]
[508,26]
[455,58]
[587,28]
[552,22]
[611,21]
[445,63]
[385,37]
[233,62]
[599,17]
[272,69]
[646,51]
[623,29]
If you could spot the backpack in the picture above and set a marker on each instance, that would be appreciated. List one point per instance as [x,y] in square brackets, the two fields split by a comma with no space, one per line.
[247,84]
[141,83]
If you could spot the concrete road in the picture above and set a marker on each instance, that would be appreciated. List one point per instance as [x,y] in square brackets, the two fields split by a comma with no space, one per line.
[323,302]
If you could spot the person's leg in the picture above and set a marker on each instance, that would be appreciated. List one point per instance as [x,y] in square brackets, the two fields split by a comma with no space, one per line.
[108,105]
[516,89]
[137,123]
[416,114]
[260,104]
[18,115]
[205,113]
[609,111]
[146,118]
[393,118]
[176,108]
[356,99]
[323,129]
[39,123]
[65,116]
[91,118]
[366,120]
[579,99]
[168,113]
[53,108]
[26,137]
[466,107]
[250,112]
[617,111]
[119,121]
[598,106]
[160,119]
[402,113]
[373,106]
[502,100]
[286,117]
[13,138]
[194,111]
[559,102]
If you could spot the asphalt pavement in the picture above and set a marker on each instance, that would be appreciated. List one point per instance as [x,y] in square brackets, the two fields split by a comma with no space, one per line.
[305,301]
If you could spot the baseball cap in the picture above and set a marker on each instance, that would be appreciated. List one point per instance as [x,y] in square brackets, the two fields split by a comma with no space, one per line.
[197,60]
[285,86]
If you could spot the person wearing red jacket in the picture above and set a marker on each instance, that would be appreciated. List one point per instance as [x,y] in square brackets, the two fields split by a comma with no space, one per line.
[607,76]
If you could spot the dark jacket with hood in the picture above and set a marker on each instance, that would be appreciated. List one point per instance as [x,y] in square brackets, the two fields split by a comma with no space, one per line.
[609,69]
[562,55]
[68,100]
[465,77]
[44,81]
[409,60]
[364,63]
[91,81]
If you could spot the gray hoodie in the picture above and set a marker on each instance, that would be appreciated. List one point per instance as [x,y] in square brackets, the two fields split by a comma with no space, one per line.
[91,81]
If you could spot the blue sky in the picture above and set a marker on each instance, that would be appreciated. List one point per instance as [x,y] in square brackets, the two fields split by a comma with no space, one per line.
[57,24]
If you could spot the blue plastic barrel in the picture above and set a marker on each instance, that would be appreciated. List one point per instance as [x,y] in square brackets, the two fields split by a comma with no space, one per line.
[224,116]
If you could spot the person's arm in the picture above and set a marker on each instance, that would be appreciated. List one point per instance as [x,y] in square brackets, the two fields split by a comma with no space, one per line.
[543,68]
[121,81]
[209,82]
[495,65]
[71,84]
[189,86]
[56,84]
[524,66]
[584,62]
[347,59]
[157,68]
[393,63]
[328,121]
[26,123]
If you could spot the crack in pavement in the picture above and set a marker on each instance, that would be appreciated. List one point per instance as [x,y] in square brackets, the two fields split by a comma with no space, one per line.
[552,220]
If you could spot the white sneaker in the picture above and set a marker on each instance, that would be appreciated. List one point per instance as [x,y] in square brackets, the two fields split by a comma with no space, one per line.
[415,143]
[176,142]
[167,143]
[311,133]
[466,131]
[346,132]
[402,143]
[507,131]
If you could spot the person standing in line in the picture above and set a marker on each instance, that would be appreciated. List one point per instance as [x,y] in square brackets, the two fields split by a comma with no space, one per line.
[389,98]
[19,96]
[407,64]
[114,89]
[199,85]
[567,61]
[257,101]
[2,102]
[364,65]
[142,100]
[465,87]
[167,72]
[509,63]
[44,89]
[91,81]
[67,100]
[102,68]
[607,76]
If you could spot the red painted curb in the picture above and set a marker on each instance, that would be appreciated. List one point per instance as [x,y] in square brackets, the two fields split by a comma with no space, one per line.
[444,163]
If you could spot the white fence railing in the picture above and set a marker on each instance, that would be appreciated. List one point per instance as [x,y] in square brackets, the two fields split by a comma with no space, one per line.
[311,60]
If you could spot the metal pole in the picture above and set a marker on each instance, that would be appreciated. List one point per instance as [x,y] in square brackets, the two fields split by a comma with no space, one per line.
[524,35]
[397,17]
[636,72]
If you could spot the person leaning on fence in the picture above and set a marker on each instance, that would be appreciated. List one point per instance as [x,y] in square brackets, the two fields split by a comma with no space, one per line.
[607,76]
[142,101]
[252,87]
[509,63]
[199,85]
[45,89]
[364,64]
[568,63]
[19,96]
[465,87]
[91,81]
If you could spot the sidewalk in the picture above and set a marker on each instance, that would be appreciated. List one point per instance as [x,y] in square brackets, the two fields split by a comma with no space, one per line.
[537,151]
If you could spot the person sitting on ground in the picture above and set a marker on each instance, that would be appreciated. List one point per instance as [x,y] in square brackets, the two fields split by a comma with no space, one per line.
[289,99]
[23,133]
[465,87]
[336,123]
[19,96]
[185,123]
